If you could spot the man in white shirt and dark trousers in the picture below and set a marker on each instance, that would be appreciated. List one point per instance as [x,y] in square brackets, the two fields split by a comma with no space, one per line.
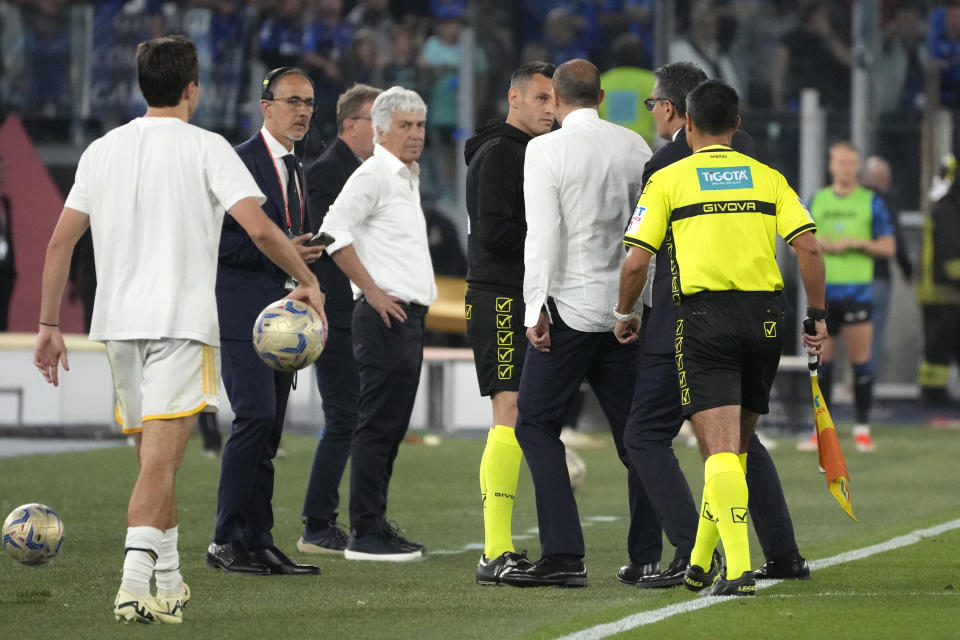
[579,183]
[381,245]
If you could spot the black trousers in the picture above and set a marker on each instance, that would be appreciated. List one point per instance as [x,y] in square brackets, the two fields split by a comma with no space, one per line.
[258,396]
[389,361]
[655,419]
[6,293]
[547,387]
[338,381]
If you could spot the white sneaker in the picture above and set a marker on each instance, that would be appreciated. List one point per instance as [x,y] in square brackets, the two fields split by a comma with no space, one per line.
[576,440]
[862,440]
[133,608]
[170,608]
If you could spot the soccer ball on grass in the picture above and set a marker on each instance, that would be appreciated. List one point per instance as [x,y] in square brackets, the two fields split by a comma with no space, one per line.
[32,534]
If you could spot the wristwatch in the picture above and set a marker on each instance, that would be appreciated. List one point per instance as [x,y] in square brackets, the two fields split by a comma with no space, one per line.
[816,314]
[624,317]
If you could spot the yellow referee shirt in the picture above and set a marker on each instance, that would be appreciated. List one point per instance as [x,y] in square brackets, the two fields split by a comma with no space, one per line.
[719,211]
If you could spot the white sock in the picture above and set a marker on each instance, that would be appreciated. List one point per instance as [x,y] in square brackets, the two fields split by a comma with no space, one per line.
[167,571]
[142,550]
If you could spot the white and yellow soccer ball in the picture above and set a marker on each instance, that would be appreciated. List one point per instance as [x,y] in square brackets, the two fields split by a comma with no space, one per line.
[32,534]
[576,468]
[289,335]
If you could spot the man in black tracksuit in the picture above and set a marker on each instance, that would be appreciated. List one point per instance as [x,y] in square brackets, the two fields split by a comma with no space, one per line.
[494,301]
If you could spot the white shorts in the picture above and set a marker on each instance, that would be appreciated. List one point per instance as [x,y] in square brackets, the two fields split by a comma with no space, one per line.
[162,379]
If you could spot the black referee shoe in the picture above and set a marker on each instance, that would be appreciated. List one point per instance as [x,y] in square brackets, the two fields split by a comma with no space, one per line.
[672,576]
[696,579]
[745,585]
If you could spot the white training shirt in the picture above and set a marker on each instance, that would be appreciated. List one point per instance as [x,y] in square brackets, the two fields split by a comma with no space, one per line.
[378,212]
[156,190]
[580,184]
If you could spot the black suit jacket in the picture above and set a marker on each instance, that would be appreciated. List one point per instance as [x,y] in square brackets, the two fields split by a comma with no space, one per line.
[247,280]
[325,178]
[8,266]
[660,325]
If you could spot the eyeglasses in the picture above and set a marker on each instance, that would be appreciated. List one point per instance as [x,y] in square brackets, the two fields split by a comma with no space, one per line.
[295,102]
[650,103]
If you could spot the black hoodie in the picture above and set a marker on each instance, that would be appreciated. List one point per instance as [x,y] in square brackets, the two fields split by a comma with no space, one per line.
[498,224]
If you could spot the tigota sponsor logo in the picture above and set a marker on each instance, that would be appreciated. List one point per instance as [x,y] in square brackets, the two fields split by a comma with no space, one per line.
[713,179]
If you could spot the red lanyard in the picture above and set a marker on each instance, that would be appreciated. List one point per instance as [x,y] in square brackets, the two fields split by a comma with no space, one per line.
[286,198]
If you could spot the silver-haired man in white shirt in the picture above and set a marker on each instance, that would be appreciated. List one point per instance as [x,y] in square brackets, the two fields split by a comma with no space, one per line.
[381,245]
[579,185]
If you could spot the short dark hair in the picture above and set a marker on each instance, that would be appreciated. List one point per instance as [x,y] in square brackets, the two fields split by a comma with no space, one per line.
[676,80]
[714,107]
[577,82]
[352,100]
[165,66]
[527,70]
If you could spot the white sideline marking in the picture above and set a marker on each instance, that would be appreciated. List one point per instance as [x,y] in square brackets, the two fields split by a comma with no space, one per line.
[656,615]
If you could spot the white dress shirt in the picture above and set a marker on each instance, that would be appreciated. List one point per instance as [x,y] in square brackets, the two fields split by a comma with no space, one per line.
[378,212]
[580,185]
[277,152]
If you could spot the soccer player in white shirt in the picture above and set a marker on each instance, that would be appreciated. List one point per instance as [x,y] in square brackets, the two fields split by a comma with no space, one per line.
[154,192]
[579,185]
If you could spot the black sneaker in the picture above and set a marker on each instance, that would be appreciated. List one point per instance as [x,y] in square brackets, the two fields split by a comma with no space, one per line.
[490,571]
[745,585]
[696,579]
[379,546]
[783,569]
[332,539]
[392,531]
[672,576]
[549,571]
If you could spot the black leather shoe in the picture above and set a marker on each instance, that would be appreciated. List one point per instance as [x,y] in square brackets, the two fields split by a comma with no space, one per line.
[280,564]
[669,577]
[233,557]
[549,571]
[632,573]
[490,571]
[780,569]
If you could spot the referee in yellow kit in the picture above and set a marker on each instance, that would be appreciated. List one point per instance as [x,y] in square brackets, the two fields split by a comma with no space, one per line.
[723,210]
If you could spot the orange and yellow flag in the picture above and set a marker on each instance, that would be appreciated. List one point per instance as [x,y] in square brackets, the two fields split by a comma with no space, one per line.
[829,451]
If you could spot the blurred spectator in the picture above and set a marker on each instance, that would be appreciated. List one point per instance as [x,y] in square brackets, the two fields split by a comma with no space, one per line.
[563,37]
[8,268]
[325,43]
[13,84]
[402,69]
[626,85]
[440,64]
[944,48]
[701,46]
[811,55]
[879,178]
[281,36]
[446,253]
[375,16]
[48,71]
[362,64]
[616,17]
[902,58]
[761,26]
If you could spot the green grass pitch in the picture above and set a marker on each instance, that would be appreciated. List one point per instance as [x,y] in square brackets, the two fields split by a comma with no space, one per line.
[909,483]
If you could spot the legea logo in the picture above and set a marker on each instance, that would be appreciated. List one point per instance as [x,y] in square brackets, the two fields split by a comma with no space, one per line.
[725,178]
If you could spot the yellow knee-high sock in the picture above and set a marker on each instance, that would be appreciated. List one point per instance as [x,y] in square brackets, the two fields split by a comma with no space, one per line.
[726,489]
[483,472]
[501,464]
[707,535]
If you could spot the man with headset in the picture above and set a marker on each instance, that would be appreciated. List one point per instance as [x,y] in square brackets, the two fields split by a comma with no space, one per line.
[247,282]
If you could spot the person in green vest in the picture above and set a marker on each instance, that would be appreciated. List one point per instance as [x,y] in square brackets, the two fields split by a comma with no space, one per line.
[854,229]
[626,85]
